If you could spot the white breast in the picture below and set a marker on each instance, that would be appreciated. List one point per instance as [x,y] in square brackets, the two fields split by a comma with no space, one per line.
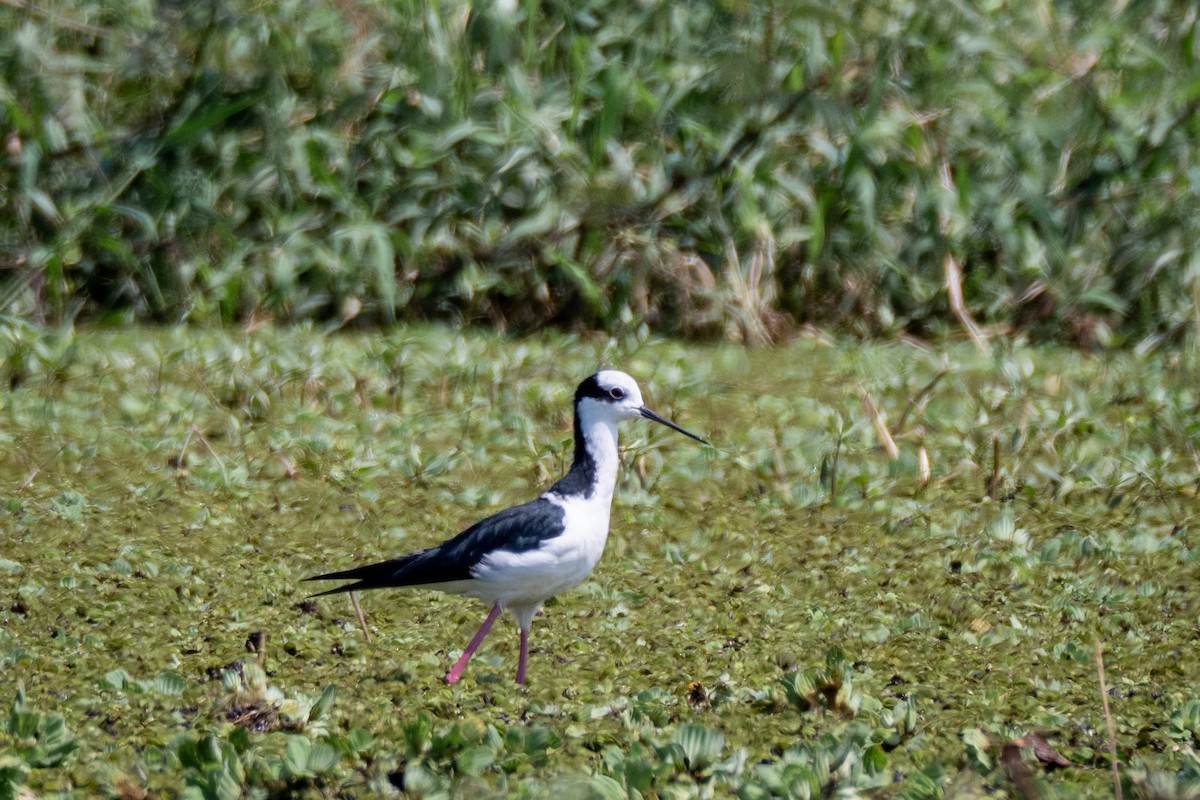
[530,577]
[522,581]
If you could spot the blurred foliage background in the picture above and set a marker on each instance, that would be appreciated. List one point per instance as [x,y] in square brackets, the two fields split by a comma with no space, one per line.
[735,168]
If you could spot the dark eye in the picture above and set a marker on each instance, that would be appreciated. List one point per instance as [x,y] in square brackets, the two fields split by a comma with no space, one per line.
[616,393]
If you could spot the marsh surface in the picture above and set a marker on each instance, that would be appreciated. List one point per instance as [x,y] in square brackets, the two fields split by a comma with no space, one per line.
[788,612]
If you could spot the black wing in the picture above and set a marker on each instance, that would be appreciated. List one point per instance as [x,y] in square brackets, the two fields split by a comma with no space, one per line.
[516,530]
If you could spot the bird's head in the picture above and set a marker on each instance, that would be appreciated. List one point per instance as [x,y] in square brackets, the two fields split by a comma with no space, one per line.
[613,395]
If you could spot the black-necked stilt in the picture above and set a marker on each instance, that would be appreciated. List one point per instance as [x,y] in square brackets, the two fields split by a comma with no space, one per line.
[517,559]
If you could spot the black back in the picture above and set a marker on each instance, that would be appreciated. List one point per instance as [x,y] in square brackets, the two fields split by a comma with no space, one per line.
[515,530]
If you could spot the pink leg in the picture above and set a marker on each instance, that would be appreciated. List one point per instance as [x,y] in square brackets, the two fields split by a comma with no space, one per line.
[457,670]
[524,656]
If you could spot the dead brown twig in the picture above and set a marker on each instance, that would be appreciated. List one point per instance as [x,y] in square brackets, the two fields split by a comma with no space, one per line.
[916,399]
[992,485]
[958,306]
[181,459]
[877,423]
[953,271]
[33,473]
[1112,731]
[362,618]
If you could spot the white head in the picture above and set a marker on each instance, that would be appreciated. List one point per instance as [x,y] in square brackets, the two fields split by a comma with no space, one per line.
[613,395]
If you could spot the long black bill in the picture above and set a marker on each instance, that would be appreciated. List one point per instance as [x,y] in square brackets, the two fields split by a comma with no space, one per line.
[648,414]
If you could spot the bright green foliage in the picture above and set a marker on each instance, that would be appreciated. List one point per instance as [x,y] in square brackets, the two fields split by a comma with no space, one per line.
[29,740]
[1185,724]
[40,740]
[733,167]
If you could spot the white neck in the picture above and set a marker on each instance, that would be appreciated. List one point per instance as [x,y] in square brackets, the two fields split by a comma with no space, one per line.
[600,439]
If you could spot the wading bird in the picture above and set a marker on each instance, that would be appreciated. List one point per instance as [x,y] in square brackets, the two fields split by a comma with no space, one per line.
[518,558]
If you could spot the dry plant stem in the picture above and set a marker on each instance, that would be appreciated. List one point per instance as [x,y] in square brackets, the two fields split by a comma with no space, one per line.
[289,466]
[954,274]
[25,484]
[954,292]
[745,283]
[187,441]
[362,619]
[212,452]
[920,396]
[33,473]
[1108,720]
[881,431]
[993,482]
[833,469]
[923,468]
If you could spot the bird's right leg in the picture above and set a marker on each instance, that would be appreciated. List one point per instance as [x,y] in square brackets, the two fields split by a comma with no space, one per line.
[457,670]
[524,656]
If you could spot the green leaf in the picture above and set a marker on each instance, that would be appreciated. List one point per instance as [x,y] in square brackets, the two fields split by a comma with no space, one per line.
[295,757]
[579,278]
[228,787]
[170,684]
[207,117]
[13,774]
[602,787]
[701,746]
[118,678]
[321,758]
[474,760]
[800,687]
[874,760]
[321,707]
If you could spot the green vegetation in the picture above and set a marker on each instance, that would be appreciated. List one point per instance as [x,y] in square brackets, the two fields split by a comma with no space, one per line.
[794,614]
[719,168]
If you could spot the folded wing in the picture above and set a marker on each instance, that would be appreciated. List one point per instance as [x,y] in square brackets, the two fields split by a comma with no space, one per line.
[515,530]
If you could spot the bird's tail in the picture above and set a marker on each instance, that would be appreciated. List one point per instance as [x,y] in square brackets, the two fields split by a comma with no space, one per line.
[371,576]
